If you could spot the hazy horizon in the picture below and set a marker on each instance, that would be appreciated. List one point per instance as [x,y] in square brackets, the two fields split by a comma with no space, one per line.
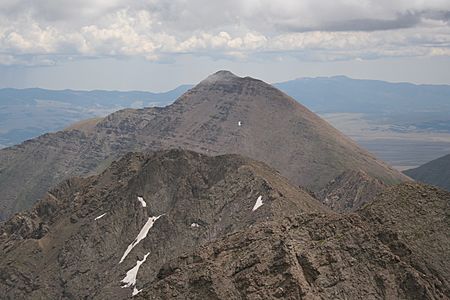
[158,45]
[180,84]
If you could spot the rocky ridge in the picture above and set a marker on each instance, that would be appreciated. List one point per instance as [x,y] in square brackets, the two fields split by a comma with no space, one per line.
[88,236]
[181,225]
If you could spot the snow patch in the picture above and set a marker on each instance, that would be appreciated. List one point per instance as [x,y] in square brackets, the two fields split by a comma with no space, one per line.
[140,199]
[99,217]
[258,203]
[195,225]
[142,234]
[135,291]
[130,278]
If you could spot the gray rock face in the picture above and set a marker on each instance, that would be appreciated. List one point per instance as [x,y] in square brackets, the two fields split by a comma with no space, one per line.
[350,191]
[75,243]
[222,114]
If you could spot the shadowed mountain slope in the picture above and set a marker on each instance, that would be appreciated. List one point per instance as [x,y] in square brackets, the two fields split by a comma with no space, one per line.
[181,225]
[84,236]
[222,114]
[435,172]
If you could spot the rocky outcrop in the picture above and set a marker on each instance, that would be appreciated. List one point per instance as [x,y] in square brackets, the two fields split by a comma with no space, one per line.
[413,220]
[84,237]
[306,257]
[350,191]
[388,250]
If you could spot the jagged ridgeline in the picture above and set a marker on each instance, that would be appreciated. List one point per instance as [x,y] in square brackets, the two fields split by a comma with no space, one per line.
[222,114]
[177,224]
[105,236]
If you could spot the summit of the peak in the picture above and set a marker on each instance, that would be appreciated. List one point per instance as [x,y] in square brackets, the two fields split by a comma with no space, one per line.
[222,75]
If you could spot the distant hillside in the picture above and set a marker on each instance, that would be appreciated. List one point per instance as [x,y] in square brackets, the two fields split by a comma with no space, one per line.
[436,172]
[27,113]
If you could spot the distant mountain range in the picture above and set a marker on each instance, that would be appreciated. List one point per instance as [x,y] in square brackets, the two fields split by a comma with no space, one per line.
[27,113]
[402,123]
[341,94]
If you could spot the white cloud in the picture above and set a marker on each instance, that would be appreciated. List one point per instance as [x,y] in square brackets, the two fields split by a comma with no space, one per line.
[51,30]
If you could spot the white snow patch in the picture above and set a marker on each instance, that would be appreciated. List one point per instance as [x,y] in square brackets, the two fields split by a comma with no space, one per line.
[258,203]
[135,291]
[142,234]
[140,199]
[239,123]
[195,225]
[99,217]
[130,278]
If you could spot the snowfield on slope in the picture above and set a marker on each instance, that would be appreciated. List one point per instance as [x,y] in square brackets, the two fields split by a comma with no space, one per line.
[142,234]
[130,278]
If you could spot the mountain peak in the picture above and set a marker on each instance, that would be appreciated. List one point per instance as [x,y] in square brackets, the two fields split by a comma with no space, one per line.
[222,75]
[223,114]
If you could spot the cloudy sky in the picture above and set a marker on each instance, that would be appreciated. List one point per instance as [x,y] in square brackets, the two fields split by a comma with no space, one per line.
[158,44]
